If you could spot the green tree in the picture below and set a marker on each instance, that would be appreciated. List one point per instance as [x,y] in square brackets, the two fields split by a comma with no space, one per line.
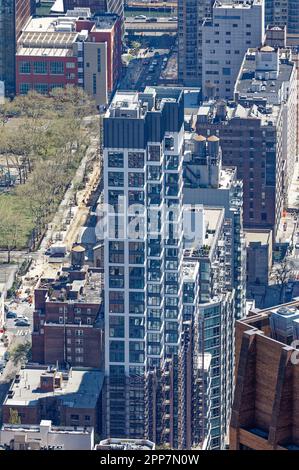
[9,230]
[21,353]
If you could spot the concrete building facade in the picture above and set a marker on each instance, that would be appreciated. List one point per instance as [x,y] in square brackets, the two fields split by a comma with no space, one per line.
[233,28]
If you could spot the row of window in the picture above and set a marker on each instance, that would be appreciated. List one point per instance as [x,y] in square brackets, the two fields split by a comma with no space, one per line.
[43,68]
[42,88]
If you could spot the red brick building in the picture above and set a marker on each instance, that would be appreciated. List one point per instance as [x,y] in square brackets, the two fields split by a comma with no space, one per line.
[56,52]
[68,322]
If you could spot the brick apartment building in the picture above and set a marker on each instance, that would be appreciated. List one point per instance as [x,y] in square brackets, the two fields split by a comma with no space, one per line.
[69,397]
[265,414]
[258,133]
[56,52]
[68,321]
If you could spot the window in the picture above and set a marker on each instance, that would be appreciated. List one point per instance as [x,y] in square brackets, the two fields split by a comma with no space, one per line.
[70,65]
[79,333]
[117,351]
[136,351]
[136,180]
[60,320]
[56,68]
[40,67]
[41,88]
[115,178]
[24,88]
[94,84]
[24,67]
[115,159]
[75,417]
[99,60]
[116,327]
[136,329]
[116,277]
[116,302]
[226,71]
[136,160]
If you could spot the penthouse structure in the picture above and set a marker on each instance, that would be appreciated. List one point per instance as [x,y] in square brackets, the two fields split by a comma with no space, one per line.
[258,133]
[233,27]
[143,144]
[68,315]
[56,52]
[265,409]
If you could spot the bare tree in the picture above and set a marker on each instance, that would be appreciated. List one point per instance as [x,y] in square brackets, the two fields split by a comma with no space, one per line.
[282,273]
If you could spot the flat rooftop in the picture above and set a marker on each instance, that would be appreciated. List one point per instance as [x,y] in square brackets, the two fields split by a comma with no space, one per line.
[227,177]
[125,444]
[72,284]
[213,217]
[33,428]
[136,105]
[45,52]
[236,5]
[190,270]
[263,236]
[80,390]
[249,87]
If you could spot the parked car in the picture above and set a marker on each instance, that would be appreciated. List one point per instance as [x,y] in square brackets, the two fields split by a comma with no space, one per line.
[297,246]
[22,323]
[11,314]
[22,317]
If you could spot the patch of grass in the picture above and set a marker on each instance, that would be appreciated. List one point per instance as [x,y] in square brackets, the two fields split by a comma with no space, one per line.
[20,208]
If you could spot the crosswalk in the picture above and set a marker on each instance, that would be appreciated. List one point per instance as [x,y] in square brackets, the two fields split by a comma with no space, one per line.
[21,333]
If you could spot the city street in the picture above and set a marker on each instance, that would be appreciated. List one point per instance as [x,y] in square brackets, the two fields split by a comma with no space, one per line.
[148,68]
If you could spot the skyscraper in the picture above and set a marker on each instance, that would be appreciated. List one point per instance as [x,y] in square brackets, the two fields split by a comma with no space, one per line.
[283,13]
[191,14]
[143,144]
[13,16]
[234,27]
